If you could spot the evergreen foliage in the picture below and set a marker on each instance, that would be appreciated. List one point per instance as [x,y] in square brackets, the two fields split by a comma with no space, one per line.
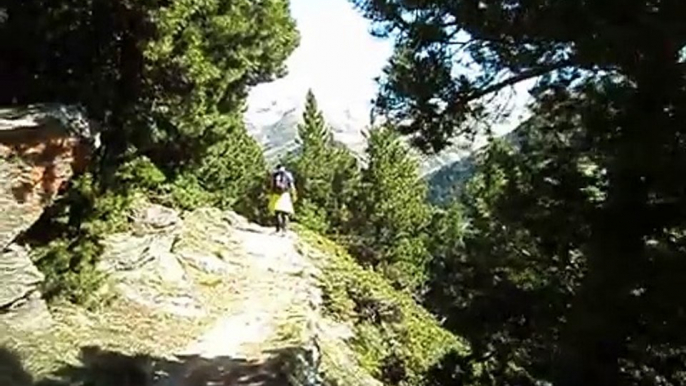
[327,174]
[166,82]
[391,214]
[574,246]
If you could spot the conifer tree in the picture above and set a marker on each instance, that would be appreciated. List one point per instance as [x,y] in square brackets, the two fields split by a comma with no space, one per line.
[324,172]
[611,91]
[313,133]
[391,212]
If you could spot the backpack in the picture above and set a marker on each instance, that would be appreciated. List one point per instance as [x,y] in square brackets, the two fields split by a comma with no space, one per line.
[280,182]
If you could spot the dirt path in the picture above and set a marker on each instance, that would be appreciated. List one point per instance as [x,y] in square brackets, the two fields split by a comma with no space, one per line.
[241,348]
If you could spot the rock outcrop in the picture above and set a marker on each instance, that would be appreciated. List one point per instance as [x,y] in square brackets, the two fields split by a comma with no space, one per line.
[276,316]
[40,149]
[20,302]
[208,298]
[143,266]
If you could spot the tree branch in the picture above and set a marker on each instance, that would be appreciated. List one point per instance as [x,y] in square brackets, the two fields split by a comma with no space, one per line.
[518,78]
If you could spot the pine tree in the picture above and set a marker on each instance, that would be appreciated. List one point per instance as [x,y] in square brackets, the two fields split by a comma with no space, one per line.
[346,182]
[313,133]
[325,173]
[613,72]
[391,212]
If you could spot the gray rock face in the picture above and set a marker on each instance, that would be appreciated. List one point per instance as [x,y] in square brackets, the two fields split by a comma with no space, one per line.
[20,301]
[19,277]
[142,265]
[152,263]
[149,218]
[40,149]
[203,261]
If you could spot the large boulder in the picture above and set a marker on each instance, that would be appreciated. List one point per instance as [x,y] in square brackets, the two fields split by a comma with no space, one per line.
[143,266]
[40,149]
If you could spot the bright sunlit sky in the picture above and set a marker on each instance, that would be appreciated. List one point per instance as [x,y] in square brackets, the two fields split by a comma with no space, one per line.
[337,58]
[337,55]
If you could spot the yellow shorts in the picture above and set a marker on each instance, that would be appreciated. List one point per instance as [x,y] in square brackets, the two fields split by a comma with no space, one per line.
[281,202]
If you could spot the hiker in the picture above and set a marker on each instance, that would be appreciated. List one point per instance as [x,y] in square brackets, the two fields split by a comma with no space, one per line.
[282,196]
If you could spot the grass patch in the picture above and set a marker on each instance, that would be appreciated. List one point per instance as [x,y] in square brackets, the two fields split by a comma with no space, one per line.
[396,340]
[337,364]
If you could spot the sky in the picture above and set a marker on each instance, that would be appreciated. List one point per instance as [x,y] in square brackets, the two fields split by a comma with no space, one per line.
[337,57]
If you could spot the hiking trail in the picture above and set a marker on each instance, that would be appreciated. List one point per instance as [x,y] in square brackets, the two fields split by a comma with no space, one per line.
[241,348]
[207,298]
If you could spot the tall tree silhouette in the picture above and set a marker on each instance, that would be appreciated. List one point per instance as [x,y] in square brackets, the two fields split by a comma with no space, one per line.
[611,92]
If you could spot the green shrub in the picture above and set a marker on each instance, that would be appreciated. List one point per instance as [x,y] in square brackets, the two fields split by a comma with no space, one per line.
[312,217]
[69,269]
[185,193]
[396,340]
[67,237]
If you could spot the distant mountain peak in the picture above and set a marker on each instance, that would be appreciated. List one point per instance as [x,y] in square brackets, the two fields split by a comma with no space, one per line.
[276,108]
[274,113]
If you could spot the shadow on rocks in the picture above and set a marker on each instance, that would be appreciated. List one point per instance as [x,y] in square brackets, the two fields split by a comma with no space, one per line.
[99,367]
[12,371]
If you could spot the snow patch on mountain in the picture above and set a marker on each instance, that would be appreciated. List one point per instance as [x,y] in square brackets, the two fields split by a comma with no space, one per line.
[276,108]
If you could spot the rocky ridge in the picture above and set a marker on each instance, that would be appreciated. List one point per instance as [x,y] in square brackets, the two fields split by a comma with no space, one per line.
[205,297]
[201,298]
[220,289]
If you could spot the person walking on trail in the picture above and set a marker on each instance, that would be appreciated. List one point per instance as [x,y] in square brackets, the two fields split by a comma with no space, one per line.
[282,196]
